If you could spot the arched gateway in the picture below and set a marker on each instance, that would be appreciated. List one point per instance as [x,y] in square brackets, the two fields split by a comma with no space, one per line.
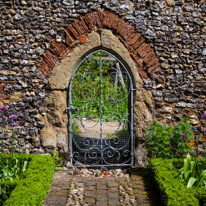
[101,112]
[102,59]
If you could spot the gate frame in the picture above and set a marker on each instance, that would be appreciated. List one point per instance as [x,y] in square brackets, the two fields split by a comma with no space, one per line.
[130,113]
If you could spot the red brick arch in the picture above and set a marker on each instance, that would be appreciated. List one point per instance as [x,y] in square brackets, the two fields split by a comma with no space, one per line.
[143,55]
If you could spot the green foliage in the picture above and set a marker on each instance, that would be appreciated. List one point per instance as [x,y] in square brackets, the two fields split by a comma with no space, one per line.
[189,171]
[5,189]
[172,191]
[200,193]
[87,94]
[158,141]
[75,128]
[35,182]
[179,146]
[12,168]
[165,141]
[193,173]
[70,188]
[56,158]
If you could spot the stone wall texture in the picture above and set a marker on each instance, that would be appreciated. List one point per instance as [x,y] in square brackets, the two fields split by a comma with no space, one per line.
[165,38]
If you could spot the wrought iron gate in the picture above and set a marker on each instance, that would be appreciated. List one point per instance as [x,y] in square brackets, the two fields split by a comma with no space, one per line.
[101,112]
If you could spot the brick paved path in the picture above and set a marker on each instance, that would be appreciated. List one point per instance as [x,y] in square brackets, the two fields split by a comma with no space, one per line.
[74,190]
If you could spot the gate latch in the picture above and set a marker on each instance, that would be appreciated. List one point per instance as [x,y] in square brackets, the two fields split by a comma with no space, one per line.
[72,108]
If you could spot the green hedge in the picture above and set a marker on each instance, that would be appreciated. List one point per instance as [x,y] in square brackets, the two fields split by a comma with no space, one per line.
[172,191]
[201,195]
[35,183]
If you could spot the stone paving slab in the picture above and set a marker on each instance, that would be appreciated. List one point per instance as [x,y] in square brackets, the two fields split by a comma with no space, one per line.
[72,190]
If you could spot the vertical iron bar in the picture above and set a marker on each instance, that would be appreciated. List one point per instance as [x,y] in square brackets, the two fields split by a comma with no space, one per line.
[101,104]
[70,122]
[132,136]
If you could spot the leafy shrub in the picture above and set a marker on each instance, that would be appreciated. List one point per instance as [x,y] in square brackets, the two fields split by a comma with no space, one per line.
[165,141]
[172,191]
[158,142]
[35,182]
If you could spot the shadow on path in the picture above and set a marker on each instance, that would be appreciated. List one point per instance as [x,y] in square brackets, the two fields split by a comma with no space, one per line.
[149,184]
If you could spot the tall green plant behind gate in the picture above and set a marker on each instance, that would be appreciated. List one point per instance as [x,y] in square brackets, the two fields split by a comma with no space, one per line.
[87,78]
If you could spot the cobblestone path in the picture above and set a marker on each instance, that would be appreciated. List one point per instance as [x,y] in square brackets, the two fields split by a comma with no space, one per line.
[74,190]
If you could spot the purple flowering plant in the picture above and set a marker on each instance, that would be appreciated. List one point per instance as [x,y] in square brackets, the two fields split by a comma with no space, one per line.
[203,116]
[13,116]
[5,123]
[182,135]
[3,108]
[14,124]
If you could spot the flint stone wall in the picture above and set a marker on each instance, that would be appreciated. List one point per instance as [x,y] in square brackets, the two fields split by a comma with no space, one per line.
[175,30]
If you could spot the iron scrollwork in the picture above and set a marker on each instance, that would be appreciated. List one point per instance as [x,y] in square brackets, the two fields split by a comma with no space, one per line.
[101,112]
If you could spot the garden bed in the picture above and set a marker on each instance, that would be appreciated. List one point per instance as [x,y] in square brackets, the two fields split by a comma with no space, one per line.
[32,185]
[172,191]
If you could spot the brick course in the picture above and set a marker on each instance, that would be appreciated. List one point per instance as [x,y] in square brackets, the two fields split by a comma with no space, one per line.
[141,52]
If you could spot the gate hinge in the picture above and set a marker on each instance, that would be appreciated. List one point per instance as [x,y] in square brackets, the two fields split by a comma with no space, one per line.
[72,108]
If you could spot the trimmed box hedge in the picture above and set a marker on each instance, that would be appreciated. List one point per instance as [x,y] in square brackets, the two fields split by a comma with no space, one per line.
[172,190]
[31,189]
